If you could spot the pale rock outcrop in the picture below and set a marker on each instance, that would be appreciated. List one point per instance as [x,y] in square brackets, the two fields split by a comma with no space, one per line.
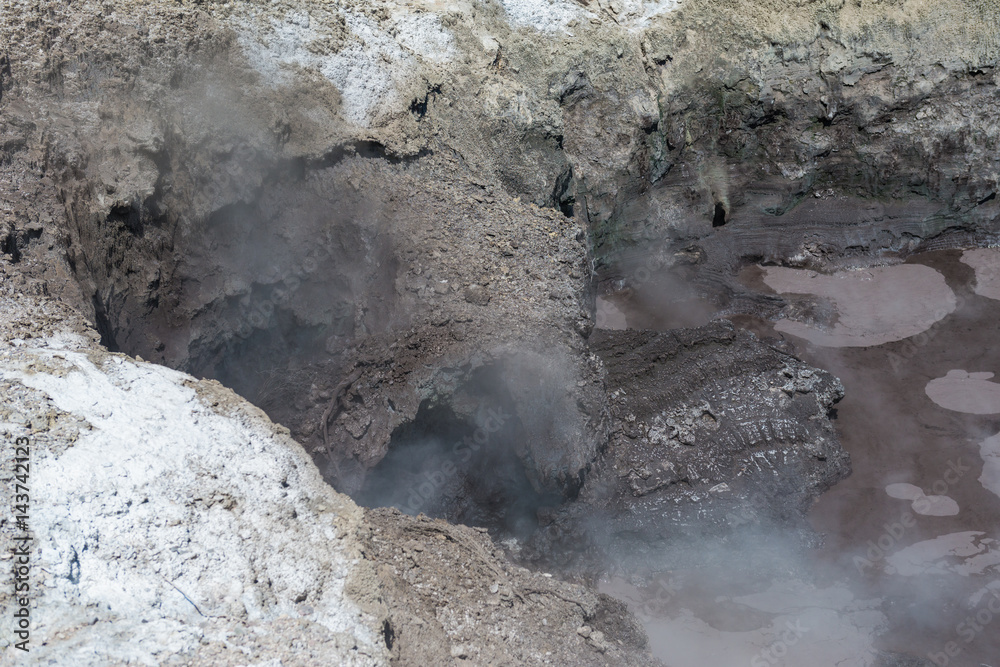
[172,521]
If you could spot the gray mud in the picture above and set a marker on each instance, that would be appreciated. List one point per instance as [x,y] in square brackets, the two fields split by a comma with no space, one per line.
[930,574]
[908,553]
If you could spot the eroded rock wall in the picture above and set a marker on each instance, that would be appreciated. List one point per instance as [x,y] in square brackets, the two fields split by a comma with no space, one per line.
[226,210]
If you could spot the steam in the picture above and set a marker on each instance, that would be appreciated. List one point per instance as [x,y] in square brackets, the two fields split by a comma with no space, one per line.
[651,289]
[240,244]
[918,567]
[286,260]
[493,453]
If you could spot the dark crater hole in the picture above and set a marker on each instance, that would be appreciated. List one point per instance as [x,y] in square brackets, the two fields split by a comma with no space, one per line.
[461,468]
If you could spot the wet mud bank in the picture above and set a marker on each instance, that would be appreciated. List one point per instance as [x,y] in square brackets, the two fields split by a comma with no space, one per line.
[932,555]
[712,430]
[905,565]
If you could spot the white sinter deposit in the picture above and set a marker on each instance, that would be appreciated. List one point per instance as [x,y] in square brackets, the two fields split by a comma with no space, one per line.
[173,521]
[545,15]
[989,449]
[554,16]
[964,553]
[961,391]
[986,262]
[373,65]
[873,306]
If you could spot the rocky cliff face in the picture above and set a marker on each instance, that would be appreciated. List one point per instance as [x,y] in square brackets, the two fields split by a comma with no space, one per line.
[384,224]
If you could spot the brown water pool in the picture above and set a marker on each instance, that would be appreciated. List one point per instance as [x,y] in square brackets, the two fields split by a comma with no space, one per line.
[910,560]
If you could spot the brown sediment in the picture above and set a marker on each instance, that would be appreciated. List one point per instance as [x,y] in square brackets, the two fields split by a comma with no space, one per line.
[896,435]
[907,538]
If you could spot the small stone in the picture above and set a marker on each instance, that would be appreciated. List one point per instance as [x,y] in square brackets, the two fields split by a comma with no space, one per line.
[583,631]
[597,641]
[477,295]
[459,651]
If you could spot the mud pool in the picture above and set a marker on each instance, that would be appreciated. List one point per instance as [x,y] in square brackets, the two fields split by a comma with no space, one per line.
[906,570]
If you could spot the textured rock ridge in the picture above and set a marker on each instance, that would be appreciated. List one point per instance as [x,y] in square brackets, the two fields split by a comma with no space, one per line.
[712,431]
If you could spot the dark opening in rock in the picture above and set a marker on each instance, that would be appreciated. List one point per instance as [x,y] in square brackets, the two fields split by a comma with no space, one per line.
[465,469]
[720,217]
[103,324]
[8,246]
[566,206]
[388,634]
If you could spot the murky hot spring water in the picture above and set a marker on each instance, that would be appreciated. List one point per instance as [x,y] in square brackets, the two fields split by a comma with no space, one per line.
[910,562]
